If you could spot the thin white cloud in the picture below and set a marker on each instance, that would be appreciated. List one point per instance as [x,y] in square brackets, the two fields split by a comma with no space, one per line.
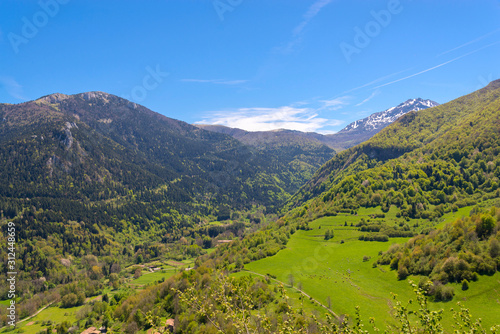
[375,93]
[12,87]
[309,15]
[266,119]
[216,81]
[334,104]
[297,32]
[374,82]
[437,66]
[470,42]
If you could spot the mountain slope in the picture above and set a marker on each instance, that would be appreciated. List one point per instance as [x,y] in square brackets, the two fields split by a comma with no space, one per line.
[294,154]
[425,163]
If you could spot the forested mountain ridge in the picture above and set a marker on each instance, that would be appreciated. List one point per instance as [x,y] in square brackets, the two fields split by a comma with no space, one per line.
[287,152]
[261,139]
[439,157]
[95,146]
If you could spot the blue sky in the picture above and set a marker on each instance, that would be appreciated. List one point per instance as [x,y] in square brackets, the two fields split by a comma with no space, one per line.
[259,65]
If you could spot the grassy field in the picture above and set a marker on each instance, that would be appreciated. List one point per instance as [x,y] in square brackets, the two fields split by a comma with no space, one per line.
[54,314]
[341,269]
[148,278]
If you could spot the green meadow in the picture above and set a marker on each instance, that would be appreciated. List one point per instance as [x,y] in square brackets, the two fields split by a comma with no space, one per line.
[54,314]
[341,270]
[148,278]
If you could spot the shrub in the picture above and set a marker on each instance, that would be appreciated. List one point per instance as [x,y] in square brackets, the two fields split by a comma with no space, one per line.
[465,285]
[486,268]
[374,237]
[69,300]
[485,226]
[402,272]
[394,263]
[425,285]
[443,293]
[137,273]
[494,248]
[441,277]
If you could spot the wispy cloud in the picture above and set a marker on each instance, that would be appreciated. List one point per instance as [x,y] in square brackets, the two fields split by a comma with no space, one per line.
[12,87]
[470,42]
[266,119]
[437,66]
[375,93]
[297,32]
[216,81]
[334,104]
[309,15]
[373,82]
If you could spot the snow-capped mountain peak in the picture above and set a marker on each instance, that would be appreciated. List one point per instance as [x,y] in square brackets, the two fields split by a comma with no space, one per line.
[381,119]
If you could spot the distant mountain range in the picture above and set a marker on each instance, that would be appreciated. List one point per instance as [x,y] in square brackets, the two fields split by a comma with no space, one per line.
[351,135]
